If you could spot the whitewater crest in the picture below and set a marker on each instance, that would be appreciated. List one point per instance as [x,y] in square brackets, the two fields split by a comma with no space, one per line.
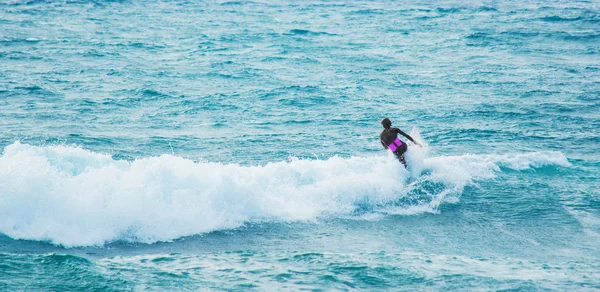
[75,197]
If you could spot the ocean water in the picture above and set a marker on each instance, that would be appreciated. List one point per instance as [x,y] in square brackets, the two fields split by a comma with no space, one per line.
[210,145]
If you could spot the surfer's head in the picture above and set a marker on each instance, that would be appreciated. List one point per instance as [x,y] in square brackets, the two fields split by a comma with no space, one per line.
[386,123]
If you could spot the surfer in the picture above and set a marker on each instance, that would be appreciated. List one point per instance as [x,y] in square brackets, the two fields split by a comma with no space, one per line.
[389,139]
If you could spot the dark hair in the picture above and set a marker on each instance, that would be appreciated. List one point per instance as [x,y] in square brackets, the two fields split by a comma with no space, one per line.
[386,123]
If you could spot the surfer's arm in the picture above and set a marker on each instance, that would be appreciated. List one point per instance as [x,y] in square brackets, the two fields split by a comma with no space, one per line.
[407,136]
[383,144]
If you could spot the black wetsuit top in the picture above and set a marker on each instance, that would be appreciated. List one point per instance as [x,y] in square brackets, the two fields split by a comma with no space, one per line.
[388,136]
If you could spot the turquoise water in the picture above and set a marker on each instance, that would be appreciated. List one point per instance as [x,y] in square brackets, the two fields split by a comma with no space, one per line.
[189,145]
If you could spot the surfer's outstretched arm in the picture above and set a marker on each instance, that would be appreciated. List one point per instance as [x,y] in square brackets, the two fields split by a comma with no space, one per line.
[407,136]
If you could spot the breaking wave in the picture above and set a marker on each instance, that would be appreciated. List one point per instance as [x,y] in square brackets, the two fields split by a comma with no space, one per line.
[74,197]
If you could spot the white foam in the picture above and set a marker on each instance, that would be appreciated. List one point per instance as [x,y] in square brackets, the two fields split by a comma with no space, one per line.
[74,197]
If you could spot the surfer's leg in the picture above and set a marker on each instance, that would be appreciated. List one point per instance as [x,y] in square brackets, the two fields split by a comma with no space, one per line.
[401,158]
[400,153]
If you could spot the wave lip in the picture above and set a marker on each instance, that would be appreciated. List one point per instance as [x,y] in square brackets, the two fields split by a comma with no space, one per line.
[74,197]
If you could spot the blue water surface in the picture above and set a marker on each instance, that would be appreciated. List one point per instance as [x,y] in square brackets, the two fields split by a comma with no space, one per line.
[233,145]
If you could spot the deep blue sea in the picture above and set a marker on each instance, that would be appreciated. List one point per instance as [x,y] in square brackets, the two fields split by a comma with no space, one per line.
[210,145]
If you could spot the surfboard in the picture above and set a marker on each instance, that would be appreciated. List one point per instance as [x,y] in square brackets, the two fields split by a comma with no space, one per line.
[415,156]
[414,133]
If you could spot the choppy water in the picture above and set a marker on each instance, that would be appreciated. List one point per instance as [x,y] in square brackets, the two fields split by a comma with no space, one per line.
[185,145]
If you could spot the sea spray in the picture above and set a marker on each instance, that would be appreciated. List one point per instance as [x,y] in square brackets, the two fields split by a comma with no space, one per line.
[74,197]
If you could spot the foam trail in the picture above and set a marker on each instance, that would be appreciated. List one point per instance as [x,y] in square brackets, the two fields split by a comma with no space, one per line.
[74,197]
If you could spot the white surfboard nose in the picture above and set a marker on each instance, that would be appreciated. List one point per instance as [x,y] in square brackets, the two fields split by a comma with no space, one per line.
[414,133]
